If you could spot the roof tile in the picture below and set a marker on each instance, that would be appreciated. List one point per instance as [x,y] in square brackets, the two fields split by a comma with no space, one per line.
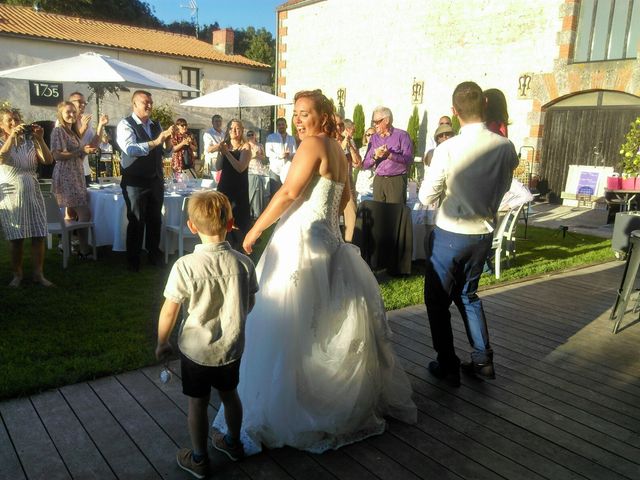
[25,21]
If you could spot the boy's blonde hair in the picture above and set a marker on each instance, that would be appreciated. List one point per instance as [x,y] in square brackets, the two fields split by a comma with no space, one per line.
[210,212]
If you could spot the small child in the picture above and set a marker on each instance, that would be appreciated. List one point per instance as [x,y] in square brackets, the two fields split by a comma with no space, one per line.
[218,286]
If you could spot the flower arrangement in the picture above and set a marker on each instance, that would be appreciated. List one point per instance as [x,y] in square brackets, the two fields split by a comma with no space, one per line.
[630,151]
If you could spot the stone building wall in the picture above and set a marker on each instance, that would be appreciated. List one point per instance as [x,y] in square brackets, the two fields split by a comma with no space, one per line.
[375,50]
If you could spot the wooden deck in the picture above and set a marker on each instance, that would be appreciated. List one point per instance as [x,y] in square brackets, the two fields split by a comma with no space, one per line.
[565,405]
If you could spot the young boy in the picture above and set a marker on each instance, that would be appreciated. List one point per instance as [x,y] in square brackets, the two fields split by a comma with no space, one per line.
[218,286]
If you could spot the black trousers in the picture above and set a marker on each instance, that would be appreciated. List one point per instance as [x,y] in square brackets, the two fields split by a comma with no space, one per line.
[144,211]
[390,189]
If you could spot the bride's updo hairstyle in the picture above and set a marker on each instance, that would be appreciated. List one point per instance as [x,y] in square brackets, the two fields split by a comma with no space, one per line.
[323,106]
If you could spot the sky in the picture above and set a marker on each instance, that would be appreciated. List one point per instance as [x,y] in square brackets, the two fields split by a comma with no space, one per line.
[228,13]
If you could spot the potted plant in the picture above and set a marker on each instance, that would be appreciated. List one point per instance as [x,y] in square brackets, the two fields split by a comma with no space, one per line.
[630,152]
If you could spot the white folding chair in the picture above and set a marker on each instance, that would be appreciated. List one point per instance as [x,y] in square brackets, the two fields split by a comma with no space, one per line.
[181,230]
[56,224]
[504,238]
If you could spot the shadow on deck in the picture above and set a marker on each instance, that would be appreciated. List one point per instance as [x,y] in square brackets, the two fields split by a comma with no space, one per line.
[565,404]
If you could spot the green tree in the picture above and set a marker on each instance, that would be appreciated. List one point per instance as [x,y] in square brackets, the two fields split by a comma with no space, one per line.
[163,114]
[130,12]
[258,45]
[630,150]
[413,127]
[205,32]
[455,124]
[358,120]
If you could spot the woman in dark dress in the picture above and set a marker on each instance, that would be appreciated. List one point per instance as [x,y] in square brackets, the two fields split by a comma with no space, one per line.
[233,160]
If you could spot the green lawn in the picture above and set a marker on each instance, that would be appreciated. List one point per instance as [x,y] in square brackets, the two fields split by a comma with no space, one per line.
[101,319]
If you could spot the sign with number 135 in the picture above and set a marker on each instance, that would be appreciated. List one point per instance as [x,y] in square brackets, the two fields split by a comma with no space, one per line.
[43,93]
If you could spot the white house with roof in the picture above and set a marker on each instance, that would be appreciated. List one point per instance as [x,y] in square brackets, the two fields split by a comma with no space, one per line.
[30,37]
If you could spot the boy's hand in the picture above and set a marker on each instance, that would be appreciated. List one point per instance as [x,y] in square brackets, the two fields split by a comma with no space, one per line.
[163,351]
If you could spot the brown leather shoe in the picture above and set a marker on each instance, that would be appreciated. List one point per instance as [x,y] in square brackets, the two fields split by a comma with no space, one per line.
[484,370]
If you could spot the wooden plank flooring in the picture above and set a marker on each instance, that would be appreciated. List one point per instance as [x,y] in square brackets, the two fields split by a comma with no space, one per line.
[565,405]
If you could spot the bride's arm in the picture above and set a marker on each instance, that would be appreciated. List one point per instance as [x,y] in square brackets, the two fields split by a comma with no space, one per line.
[305,163]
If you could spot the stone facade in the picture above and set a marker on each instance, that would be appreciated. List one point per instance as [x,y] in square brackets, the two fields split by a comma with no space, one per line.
[376,50]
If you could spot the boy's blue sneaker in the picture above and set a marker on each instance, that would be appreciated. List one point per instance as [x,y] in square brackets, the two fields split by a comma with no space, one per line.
[185,460]
[234,452]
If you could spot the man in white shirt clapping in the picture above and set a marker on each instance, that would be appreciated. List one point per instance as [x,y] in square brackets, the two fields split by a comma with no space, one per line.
[280,149]
[211,141]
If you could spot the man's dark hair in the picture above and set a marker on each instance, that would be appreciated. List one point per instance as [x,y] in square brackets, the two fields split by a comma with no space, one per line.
[281,119]
[76,93]
[468,100]
[215,117]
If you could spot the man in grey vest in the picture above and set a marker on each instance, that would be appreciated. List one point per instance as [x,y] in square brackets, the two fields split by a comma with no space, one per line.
[469,173]
[141,141]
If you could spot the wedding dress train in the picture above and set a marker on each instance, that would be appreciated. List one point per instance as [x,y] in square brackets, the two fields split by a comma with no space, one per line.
[318,369]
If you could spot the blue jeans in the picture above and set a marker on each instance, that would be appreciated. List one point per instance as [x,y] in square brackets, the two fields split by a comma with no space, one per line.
[453,270]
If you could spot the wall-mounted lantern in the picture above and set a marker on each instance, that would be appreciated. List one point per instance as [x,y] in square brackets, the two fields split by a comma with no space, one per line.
[342,95]
[524,86]
[417,91]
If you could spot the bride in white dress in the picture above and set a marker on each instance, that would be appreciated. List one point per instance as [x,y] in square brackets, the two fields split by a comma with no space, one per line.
[318,370]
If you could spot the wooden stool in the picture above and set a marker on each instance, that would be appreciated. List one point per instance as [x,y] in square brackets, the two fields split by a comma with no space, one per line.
[628,280]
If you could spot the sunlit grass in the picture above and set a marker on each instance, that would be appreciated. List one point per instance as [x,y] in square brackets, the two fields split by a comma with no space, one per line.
[544,251]
[101,319]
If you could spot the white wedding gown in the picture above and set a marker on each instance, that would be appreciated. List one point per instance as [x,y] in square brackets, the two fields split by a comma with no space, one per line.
[318,370]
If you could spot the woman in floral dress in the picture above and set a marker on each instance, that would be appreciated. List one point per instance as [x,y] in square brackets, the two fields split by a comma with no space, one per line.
[22,212]
[68,182]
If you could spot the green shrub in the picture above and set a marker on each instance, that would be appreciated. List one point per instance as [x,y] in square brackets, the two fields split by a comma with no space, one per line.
[630,150]
[413,127]
[358,120]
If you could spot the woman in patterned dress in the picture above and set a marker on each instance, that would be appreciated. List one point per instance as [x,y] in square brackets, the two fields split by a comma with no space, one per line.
[22,212]
[68,182]
[185,149]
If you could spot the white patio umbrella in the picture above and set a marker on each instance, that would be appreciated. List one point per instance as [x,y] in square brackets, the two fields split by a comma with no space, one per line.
[94,68]
[101,72]
[236,96]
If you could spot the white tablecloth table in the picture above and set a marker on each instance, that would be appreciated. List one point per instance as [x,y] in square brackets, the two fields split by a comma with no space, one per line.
[109,215]
[423,219]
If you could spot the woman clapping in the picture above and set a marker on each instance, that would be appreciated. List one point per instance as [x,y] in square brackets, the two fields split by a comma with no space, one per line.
[22,211]
[68,183]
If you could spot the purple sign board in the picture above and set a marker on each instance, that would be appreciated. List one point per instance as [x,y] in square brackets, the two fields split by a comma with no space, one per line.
[588,183]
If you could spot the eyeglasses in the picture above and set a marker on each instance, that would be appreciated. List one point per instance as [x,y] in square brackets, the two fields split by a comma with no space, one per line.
[368,134]
[376,122]
[250,135]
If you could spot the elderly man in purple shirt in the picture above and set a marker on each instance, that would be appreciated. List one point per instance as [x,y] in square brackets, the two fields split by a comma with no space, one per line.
[390,153]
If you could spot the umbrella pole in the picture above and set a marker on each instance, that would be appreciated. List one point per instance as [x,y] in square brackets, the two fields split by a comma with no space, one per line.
[99,93]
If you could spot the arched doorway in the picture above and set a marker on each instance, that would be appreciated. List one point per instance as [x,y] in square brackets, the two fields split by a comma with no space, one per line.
[583,129]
